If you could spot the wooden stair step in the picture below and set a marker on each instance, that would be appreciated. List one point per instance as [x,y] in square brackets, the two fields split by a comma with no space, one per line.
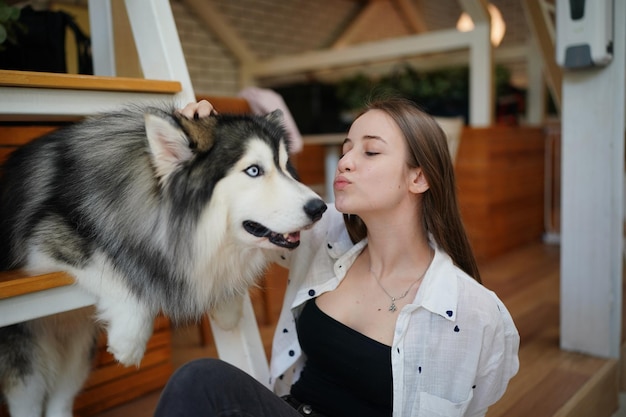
[18,282]
[32,79]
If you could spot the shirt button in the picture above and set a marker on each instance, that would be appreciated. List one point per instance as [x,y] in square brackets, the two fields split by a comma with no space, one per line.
[306,409]
[311,293]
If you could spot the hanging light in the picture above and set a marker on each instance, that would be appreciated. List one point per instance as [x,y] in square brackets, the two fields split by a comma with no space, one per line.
[498,27]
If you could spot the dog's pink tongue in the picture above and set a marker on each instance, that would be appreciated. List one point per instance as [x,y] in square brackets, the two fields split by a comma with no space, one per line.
[293,237]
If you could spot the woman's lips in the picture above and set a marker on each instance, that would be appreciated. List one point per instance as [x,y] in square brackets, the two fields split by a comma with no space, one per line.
[340,183]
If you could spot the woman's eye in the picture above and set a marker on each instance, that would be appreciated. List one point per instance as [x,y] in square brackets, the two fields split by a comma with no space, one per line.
[371,153]
[253,171]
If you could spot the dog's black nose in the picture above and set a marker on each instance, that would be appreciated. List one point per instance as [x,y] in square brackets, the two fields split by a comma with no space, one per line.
[314,208]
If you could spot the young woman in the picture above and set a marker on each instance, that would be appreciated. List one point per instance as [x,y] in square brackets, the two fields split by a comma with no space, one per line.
[384,313]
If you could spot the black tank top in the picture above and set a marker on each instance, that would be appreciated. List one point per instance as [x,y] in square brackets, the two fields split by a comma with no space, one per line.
[346,373]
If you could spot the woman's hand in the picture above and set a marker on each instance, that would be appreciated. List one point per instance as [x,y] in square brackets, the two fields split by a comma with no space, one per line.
[196,110]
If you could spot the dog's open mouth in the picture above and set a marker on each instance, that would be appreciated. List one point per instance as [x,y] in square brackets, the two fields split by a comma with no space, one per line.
[284,240]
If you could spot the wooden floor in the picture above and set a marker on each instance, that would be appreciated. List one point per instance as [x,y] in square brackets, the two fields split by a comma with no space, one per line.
[550,382]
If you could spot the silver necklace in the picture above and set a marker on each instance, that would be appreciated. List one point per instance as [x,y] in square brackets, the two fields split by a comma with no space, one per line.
[392,307]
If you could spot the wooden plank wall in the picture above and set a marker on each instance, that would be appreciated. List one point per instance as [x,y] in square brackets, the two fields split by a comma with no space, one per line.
[310,164]
[111,384]
[13,135]
[500,180]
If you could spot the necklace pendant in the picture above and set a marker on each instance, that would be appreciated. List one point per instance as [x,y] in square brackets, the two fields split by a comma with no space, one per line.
[392,307]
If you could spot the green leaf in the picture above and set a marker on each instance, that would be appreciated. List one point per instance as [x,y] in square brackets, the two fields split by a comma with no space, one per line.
[5,13]
[8,13]
[14,13]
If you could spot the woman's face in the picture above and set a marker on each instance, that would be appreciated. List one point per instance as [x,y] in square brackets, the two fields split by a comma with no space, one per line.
[372,173]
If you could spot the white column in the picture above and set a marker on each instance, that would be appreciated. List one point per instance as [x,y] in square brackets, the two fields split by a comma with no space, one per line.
[481,80]
[536,96]
[101,32]
[592,202]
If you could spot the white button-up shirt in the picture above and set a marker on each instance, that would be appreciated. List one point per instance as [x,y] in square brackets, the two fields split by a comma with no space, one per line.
[455,345]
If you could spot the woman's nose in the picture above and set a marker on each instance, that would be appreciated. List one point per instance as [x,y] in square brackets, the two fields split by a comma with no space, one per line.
[345,163]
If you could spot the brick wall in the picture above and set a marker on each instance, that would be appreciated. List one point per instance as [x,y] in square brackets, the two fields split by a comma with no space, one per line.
[212,68]
[275,27]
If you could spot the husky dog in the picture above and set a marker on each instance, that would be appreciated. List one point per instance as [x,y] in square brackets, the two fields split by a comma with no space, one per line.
[150,212]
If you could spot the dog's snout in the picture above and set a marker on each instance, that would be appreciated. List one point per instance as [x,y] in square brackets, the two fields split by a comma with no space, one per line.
[314,208]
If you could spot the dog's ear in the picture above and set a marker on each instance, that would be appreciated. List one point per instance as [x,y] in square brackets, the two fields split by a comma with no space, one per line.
[276,116]
[199,131]
[168,143]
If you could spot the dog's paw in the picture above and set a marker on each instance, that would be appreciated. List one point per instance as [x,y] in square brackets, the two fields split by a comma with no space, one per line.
[127,353]
[227,315]
[127,340]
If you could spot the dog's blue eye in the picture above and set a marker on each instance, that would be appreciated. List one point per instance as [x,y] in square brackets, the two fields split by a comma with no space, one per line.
[253,171]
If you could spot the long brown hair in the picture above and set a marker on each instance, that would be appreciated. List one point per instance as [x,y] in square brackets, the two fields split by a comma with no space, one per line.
[427,149]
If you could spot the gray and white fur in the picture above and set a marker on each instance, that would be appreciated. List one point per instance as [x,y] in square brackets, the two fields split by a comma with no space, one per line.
[150,212]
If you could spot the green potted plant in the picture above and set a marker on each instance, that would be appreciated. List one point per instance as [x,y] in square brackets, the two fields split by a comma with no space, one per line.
[442,92]
[9,24]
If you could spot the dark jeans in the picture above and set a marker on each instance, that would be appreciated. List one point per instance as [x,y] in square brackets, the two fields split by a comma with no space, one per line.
[210,387]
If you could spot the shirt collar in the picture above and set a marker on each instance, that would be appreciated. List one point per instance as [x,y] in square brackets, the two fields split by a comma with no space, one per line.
[438,292]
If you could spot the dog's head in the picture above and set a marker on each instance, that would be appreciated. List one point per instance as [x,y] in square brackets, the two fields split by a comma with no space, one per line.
[234,172]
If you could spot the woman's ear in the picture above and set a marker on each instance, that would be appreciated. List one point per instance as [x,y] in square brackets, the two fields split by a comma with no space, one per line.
[417,181]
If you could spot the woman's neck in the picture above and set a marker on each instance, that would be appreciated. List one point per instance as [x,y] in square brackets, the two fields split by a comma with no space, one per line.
[398,250]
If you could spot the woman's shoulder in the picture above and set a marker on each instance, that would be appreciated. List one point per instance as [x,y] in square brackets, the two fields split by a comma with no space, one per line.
[446,287]
[467,286]
[482,303]
[475,300]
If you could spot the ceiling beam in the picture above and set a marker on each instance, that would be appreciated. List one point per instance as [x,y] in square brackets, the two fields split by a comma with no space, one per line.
[388,49]
[411,16]
[370,13]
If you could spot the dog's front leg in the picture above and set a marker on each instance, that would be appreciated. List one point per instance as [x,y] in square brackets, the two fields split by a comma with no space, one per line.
[129,325]
[227,314]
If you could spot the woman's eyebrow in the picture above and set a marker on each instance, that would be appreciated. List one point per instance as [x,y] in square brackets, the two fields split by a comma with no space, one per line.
[374,137]
[365,137]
